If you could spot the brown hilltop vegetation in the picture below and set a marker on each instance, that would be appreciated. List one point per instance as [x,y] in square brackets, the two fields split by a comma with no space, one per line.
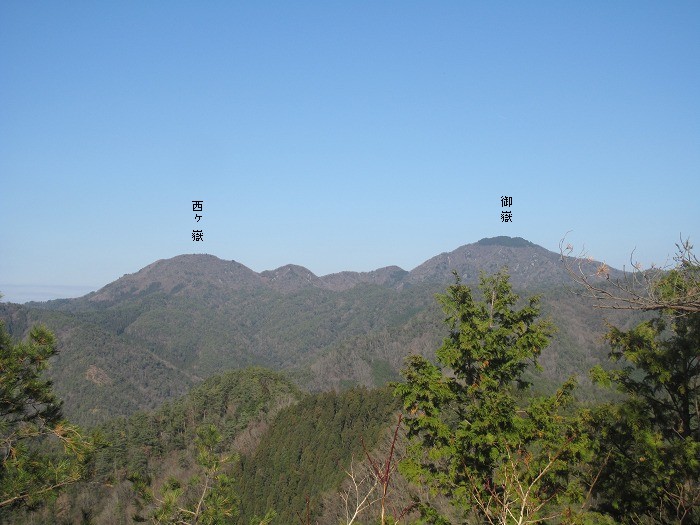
[527,263]
[177,275]
[97,375]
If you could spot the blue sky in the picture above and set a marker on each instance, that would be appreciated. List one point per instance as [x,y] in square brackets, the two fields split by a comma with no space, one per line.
[339,135]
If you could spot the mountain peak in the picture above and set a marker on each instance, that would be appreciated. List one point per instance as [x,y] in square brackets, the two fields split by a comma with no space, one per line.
[528,264]
[290,278]
[504,240]
[182,272]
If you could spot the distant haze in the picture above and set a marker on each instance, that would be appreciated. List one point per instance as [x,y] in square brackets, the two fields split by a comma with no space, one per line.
[22,293]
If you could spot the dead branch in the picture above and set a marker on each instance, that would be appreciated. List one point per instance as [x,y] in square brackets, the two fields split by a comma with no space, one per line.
[638,289]
[361,498]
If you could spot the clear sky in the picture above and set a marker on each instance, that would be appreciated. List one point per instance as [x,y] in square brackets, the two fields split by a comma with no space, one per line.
[339,135]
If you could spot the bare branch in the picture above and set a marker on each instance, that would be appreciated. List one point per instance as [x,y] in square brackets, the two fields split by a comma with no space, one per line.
[362,492]
[638,289]
[379,476]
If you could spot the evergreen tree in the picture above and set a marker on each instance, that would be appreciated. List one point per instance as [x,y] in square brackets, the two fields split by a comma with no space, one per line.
[472,437]
[650,443]
[39,450]
[208,498]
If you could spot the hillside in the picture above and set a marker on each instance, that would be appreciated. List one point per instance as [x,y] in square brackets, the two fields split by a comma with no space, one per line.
[149,336]
[283,446]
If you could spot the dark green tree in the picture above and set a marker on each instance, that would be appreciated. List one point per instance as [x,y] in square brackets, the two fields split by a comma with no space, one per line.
[650,443]
[39,450]
[474,438]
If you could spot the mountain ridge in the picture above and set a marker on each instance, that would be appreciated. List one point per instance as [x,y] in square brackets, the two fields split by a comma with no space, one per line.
[526,262]
[150,335]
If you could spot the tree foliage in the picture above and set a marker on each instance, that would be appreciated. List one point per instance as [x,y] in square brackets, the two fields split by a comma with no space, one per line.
[650,443]
[305,449]
[474,438]
[40,451]
[207,498]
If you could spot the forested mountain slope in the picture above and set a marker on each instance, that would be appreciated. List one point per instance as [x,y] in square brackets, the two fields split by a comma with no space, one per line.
[284,446]
[150,447]
[149,336]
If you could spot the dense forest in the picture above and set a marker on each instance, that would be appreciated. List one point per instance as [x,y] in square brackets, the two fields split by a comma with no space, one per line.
[465,434]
